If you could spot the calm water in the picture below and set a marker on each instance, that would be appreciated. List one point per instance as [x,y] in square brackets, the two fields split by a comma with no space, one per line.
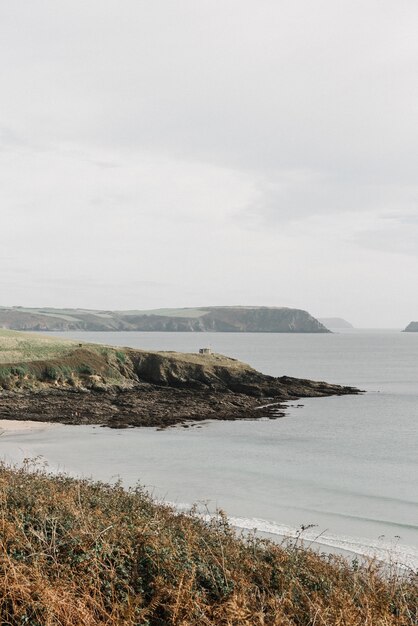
[347,465]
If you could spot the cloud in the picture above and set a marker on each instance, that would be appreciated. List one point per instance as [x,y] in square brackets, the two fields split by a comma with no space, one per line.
[246,151]
[391,234]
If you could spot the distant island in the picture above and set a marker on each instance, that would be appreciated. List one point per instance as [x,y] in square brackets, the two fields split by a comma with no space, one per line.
[411,328]
[335,322]
[212,319]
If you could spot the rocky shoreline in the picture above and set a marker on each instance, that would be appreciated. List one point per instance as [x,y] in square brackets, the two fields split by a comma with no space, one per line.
[73,383]
[159,406]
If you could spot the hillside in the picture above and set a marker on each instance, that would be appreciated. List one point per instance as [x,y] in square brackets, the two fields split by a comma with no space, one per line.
[75,552]
[45,379]
[213,319]
[335,322]
[411,328]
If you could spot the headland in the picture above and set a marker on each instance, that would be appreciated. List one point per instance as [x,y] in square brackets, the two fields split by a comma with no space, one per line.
[44,379]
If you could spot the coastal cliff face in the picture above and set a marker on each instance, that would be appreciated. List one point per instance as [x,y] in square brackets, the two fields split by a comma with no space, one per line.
[213,319]
[411,328]
[67,382]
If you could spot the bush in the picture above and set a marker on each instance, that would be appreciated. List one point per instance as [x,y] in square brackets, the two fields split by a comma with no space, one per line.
[85,369]
[51,372]
[121,356]
[76,552]
[5,377]
[20,370]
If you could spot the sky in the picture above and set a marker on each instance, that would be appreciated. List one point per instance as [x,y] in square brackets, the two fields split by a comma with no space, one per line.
[211,152]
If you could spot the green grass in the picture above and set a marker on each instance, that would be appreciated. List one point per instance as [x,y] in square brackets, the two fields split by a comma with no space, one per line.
[186,313]
[30,361]
[20,347]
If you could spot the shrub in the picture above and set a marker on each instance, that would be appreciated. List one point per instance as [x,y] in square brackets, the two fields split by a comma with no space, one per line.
[85,369]
[76,552]
[121,356]
[51,372]
[19,370]
[5,377]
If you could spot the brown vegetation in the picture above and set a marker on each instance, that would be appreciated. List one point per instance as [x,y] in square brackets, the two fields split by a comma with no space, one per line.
[78,553]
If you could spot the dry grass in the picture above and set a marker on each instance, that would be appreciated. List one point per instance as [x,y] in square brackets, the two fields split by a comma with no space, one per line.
[22,347]
[78,553]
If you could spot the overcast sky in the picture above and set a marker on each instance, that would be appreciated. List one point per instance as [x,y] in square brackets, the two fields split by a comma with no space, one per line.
[211,152]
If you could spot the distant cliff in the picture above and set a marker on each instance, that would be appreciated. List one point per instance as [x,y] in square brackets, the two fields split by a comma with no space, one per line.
[214,319]
[411,328]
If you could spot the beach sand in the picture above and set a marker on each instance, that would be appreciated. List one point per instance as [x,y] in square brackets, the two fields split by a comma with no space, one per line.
[7,426]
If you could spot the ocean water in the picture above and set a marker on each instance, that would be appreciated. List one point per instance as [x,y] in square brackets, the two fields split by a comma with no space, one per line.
[345,466]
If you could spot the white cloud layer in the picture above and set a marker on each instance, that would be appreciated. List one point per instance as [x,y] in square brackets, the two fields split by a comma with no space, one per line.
[210,152]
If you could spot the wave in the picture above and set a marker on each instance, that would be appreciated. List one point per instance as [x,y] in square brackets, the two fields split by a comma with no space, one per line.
[393,553]
[390,552]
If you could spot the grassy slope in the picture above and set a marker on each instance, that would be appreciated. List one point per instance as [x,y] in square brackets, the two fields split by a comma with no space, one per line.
[21,347]
[73,314]
[30,361]
[185,312]
[74,552]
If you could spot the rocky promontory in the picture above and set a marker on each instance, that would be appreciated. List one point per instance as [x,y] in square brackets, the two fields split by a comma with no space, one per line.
[122,387]
[411,328]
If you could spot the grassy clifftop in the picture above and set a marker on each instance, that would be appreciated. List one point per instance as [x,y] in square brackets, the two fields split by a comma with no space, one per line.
[32,362]
[74,552]
[22,347]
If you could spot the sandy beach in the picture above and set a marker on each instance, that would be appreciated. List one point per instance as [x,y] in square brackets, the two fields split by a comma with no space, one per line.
[11,426]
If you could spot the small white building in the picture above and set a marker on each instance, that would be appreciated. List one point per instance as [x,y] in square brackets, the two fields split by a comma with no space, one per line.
[205,351]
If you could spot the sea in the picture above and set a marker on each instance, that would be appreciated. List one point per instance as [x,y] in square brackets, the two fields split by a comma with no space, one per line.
[338,473]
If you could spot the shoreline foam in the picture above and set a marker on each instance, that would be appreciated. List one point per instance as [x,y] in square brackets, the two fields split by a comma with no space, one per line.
[391,553]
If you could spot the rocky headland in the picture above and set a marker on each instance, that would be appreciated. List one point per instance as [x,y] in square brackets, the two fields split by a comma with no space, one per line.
[122,387]
[411,328]
[202,319]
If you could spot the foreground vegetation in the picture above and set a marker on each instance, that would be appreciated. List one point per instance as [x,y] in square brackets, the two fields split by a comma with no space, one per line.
[74,552]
